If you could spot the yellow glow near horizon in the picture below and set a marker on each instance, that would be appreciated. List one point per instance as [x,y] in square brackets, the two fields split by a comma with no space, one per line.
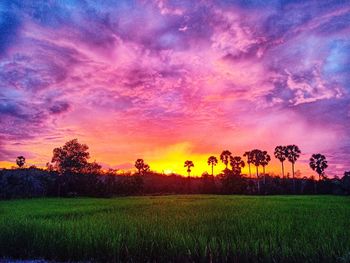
[168,160]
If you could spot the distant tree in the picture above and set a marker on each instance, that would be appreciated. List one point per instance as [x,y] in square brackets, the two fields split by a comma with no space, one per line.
[264,162]
[249,161]
[71,158]
[139,164]
[257,157]
[212,160]
[237,164]
[293,153]
[281,155]
[188,164]
[20,161]
[225,157]
[318,163]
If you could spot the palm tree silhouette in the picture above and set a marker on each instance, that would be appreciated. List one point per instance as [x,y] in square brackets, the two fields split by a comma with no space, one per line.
[293,153]
[225,157]
[249,161]
[281,155]
[212,160]
[237,164]
[189,164]
[318,163]
[257,157]
[265,159]
[20,161]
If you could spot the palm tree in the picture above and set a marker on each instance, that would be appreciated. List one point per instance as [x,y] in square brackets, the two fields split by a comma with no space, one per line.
[281,155]
[249,161]
[237,164]
[189,164]
[257,157]
[225,157]
[212,160]
[265,159]
[293,153]
[20,161]
[318,163]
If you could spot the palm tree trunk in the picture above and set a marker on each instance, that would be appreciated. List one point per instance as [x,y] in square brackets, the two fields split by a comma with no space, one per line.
[282,170]
[257,178]
[293,178]
[250,173]
[212,169]
[264,174]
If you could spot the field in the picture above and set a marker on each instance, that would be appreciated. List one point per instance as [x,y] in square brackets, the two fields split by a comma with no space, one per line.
[178,228]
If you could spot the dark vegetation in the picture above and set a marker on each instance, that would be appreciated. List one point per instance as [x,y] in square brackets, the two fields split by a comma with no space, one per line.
[70,174]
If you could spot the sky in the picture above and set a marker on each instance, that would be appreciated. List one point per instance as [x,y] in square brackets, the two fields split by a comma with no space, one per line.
[169,81]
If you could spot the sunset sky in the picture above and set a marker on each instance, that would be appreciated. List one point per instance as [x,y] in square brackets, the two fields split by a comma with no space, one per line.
[168,81]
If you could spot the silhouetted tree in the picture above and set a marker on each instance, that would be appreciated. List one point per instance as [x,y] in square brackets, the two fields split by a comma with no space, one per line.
[264,162]
[293,153]
[139,164]
[249,161]
[212,160]
[188,164]
[225,157]
[281,155]
[20,161]
[318,163]
[71,158]
[237,164]
[257,157]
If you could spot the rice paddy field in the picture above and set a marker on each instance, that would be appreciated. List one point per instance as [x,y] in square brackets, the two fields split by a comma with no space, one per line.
[197,228]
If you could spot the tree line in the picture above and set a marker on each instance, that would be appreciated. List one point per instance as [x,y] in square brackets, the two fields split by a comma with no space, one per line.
[71,174]
[261,158]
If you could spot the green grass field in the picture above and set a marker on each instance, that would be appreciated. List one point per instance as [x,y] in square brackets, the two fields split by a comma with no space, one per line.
[178,228]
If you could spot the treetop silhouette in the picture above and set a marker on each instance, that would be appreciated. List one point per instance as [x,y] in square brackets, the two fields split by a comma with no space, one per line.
[20,161]
[281,154]
[71,158]
[225,157]
[293,153]
[237,164]
[188,164]
[212,160]
[141,166]
[318,163]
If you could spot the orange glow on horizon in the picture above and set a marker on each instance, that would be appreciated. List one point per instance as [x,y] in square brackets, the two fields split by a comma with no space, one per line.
[168,160]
